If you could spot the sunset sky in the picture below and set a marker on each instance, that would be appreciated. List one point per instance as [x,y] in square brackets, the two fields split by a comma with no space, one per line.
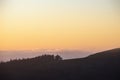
[59,24]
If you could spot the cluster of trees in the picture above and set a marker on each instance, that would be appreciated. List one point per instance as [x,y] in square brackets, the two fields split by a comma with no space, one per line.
[49,58]
[43,59]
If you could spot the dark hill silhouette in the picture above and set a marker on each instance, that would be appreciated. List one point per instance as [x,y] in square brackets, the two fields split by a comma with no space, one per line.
[100,66]
[114,53]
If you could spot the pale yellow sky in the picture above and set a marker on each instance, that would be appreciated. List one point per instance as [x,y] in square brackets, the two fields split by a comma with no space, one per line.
[31,24]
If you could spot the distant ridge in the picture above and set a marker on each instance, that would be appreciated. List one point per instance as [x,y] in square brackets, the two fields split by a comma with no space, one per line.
[19,54]
[100,66]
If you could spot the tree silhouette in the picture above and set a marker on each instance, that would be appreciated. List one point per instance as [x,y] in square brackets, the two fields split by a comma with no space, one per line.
[57,58]
[39,59]
[46,58]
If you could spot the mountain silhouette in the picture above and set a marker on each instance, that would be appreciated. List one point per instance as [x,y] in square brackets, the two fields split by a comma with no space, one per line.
[100,66]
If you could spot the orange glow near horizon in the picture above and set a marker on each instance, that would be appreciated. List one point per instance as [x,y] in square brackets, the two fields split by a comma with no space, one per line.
[70,26]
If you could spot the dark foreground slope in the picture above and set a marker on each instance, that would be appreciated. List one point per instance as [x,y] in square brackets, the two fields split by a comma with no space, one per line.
[101,66]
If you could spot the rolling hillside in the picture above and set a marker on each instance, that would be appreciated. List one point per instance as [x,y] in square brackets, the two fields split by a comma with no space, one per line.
[100,66]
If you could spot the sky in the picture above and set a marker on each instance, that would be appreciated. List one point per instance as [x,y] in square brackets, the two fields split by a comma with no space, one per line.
[59,24]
